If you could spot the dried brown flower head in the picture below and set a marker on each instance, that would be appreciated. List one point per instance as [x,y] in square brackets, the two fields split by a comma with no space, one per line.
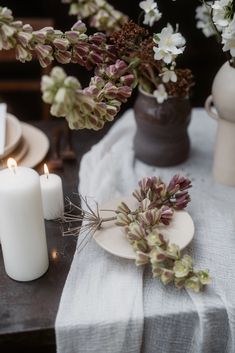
[129,38]
[134,43]
[183,85]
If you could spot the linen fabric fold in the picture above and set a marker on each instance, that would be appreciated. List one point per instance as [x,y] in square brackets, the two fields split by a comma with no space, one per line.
[101,305]
[107,305]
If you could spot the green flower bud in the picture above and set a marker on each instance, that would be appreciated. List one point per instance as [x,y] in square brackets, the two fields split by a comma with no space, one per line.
[6,13]
[75,120]
[111,112]
[74,9]
[39,36]
[154,238]
[183,267]
[173,251]
[150,217]
[123,219]
[27,28]
[61,95]
[141,258]
[79,26]
[44,62]
[47,83]
[137,195]
[61,44]
[17,24]
[72,82]
[140,245]
[83,37]
[193,283]
[24,38]
[157,270]
[145,204]
[48,97]
[115,103]
[58,74]
[204,277]
[22,54]
[135,231]
[58,110]
[8,30]
[72,36]
[43,51]
[63,57]
[167,276]
[157,255]
[123,208]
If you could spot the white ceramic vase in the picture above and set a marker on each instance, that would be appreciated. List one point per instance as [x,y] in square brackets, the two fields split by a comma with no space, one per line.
[220,105]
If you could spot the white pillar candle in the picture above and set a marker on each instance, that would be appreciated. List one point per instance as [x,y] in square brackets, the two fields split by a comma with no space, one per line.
[52,195]
[22,228]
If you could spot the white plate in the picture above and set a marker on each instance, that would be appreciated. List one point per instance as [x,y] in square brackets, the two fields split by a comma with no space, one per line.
[31,150]
[38,146]
[13,134]
[21,150]
[112,238]
[18,153]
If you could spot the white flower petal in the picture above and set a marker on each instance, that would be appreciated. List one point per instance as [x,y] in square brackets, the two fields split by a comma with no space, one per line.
[147,5]
[169,43]
[160,94]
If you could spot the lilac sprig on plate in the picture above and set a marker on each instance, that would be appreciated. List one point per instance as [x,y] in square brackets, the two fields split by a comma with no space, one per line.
[156,204]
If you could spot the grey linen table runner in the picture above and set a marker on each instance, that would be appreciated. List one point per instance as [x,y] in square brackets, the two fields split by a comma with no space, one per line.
[108,305]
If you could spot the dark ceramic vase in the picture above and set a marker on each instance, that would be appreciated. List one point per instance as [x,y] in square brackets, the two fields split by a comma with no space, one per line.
[161,138]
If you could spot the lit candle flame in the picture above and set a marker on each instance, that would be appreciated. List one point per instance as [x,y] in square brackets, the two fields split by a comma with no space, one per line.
[46,170]
[11,163]
[54,254]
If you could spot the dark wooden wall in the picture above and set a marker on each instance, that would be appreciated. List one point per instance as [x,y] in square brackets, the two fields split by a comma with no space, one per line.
[203,56]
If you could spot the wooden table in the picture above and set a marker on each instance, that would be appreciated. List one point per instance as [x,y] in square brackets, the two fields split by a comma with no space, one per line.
[28,310]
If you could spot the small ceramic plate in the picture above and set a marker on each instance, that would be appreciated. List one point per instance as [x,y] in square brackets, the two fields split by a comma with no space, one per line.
[112,238]
[38,146]
[18,153]
[13,134]
[21,150]
[32,149]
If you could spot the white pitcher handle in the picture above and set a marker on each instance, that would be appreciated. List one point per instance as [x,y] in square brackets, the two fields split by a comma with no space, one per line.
[208,106]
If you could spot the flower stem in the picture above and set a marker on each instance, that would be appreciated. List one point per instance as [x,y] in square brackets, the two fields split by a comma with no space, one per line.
[107,219]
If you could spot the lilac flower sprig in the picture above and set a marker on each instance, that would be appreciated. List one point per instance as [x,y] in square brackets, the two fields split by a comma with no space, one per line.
[174,195]
[157,203]
[92,106]
[48,44]
[100,14]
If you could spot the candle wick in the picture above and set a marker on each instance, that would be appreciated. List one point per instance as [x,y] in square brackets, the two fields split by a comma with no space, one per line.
[47,175]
